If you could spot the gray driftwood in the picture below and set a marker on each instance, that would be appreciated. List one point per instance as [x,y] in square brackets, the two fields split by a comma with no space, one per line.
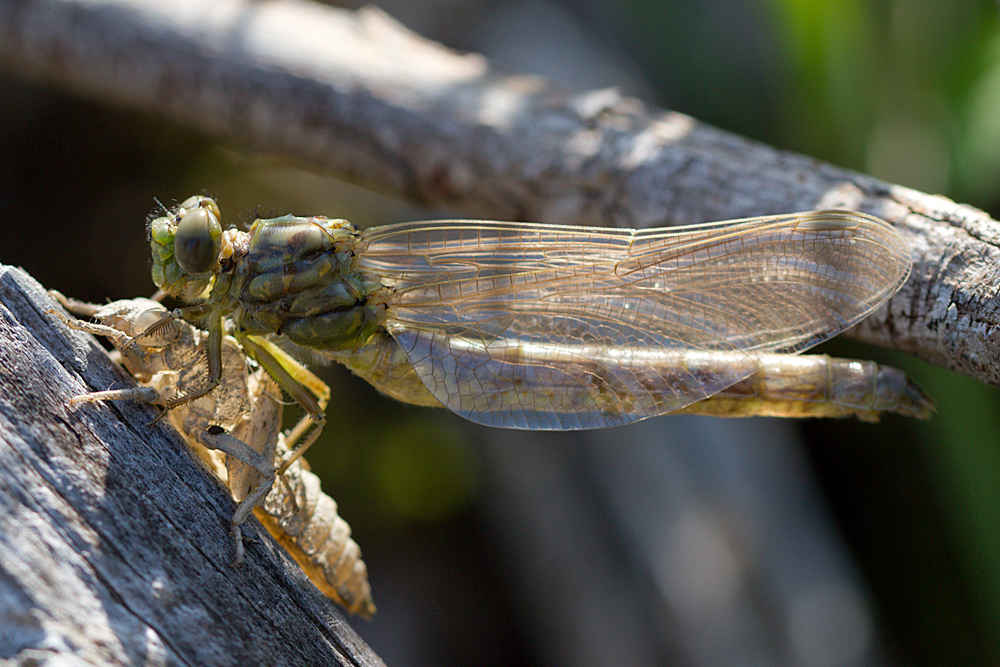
[114,542]
[358,95]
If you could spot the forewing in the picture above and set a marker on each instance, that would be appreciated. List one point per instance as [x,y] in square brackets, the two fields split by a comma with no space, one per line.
[544,326]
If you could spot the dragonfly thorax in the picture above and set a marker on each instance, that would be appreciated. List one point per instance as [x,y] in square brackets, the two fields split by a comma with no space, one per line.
[297,278]
[288,275]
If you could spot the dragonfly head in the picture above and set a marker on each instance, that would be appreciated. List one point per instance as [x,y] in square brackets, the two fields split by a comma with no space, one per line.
[187,245]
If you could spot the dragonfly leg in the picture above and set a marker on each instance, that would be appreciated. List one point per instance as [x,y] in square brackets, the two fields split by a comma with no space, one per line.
[121,340]
[214,354]
[139,394]
[300,383]
[117,337]
[74,306]
[214,437]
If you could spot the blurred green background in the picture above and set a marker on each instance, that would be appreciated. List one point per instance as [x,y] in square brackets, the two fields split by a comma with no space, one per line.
[905,90]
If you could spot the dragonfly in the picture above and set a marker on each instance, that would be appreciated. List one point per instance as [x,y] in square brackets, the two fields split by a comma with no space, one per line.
[554,327]
[236,431]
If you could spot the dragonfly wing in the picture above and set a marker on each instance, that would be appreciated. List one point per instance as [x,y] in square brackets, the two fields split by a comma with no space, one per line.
[502,320]
[512,382]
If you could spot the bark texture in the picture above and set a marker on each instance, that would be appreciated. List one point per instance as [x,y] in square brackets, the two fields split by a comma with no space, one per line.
[114,542]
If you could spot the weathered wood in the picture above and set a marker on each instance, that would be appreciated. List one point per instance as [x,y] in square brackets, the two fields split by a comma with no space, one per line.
[114,542]
[358,95]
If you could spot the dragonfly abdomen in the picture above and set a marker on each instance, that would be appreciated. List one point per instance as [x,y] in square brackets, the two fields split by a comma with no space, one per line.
[817,385]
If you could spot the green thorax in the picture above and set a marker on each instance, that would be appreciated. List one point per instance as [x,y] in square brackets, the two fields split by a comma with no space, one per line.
[289,275]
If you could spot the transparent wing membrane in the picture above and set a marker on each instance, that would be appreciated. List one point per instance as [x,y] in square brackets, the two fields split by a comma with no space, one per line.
[544,326]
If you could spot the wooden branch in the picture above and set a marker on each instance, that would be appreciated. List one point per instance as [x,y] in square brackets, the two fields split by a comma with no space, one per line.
[358,95]
[115,542]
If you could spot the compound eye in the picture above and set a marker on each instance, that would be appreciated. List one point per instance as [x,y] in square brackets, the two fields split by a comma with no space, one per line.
[201,201]
[197,241]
